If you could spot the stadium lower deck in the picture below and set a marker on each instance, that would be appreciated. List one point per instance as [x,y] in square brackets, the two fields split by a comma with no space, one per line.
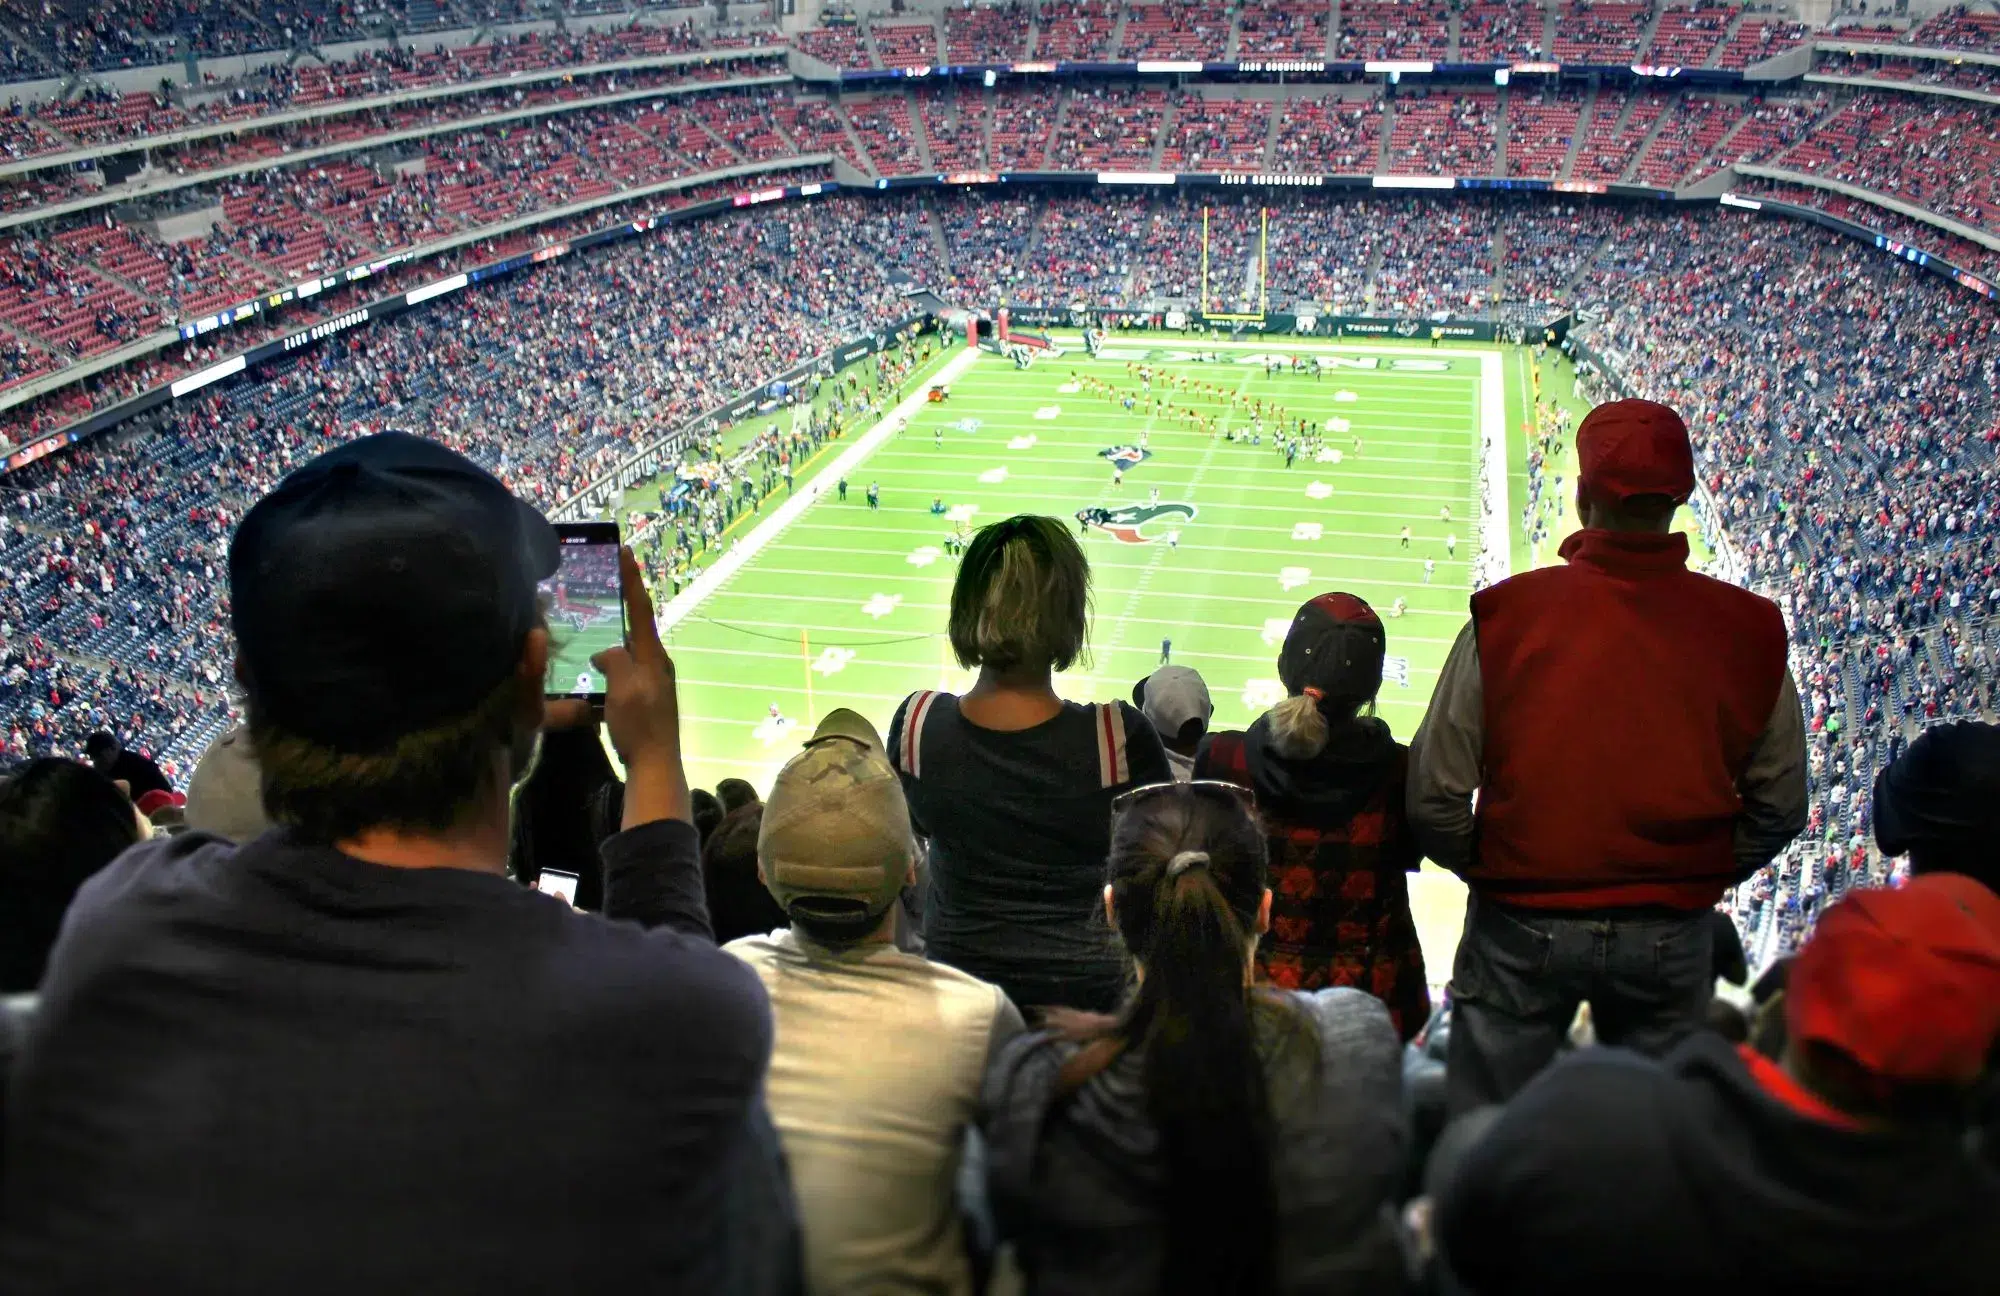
[828,602]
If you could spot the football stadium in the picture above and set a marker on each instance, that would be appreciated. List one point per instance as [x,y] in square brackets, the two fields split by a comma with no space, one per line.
[999,645]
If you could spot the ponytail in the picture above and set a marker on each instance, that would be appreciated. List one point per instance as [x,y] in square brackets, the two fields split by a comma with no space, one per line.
[1303,724]
[1205,1087]
[1298,730]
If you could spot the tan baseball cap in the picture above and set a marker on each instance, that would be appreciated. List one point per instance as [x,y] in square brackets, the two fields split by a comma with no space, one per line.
[836,842]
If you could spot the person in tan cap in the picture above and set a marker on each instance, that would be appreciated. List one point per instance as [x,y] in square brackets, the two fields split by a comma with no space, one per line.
[1636,745]
[879,1054]
[1839,1166]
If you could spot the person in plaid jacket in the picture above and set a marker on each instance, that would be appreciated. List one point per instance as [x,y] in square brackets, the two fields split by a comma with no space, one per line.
[1329,781]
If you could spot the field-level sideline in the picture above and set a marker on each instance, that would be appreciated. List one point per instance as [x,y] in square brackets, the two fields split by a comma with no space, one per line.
[717,573]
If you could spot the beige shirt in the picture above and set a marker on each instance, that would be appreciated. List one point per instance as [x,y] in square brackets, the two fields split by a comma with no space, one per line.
[874,1081]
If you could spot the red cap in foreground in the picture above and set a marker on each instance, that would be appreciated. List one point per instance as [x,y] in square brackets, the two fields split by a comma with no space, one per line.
[1905,981]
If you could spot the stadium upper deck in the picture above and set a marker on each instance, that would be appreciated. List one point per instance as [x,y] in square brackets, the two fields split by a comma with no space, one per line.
[295,178]
[36,40]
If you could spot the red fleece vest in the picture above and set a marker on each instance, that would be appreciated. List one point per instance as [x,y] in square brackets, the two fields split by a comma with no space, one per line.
[1622,695]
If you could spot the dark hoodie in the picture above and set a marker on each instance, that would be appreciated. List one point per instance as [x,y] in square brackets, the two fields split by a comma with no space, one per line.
[1340,906]
[1613,1172]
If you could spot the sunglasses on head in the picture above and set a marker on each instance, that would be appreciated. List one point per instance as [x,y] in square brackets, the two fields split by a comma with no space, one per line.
[1213,789]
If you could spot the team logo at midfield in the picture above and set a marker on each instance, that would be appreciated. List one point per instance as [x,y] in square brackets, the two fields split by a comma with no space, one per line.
[1125,456]
[1138,523]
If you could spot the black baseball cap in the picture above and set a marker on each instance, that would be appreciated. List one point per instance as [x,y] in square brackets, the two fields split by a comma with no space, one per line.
[383,588]
[1336,645]
[1943,791]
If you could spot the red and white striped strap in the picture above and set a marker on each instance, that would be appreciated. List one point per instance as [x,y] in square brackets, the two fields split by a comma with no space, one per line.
[1112,766]
[909,750]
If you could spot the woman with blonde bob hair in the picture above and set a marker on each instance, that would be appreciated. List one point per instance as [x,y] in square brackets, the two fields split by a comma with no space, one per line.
[1012,785]
[1329,780]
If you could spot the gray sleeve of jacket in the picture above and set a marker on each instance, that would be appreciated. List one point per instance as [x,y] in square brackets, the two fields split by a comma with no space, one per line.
[1773,784]
[1446,757]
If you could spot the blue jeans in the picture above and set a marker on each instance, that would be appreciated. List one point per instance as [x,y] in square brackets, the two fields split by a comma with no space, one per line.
[1521,973]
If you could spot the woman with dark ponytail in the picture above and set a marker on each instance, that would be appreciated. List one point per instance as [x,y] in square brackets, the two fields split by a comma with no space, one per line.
[1213,1137]
[1329,780]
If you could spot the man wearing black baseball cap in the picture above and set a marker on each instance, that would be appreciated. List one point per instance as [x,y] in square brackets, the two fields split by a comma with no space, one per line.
[352,1054]
[1637,747]
[1939,802]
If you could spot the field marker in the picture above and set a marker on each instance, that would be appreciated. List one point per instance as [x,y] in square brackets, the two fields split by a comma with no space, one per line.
[1318,490]
[832,661]
[1306,530]
[1260,695]
[1293,577]
[993,476]
[882,605]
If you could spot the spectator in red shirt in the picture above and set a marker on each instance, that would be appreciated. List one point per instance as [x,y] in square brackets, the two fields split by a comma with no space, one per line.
[1637,746]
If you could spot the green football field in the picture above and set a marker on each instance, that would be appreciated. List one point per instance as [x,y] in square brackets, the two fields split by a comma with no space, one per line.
[828,603]
[575,639]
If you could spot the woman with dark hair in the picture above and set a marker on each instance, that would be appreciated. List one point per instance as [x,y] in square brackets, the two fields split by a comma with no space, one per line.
[553,826]
[738,903]
[60,822]
[1013,785]
[1329,782]
[1215,1136]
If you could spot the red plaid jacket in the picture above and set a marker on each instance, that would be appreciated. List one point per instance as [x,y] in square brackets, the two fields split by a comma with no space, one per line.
[1340,904]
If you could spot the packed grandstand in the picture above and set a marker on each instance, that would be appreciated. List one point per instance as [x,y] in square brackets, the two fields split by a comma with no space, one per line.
[600,251]
[1861,491]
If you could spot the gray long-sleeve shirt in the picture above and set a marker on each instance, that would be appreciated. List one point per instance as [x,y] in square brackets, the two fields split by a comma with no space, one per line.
[1448,753]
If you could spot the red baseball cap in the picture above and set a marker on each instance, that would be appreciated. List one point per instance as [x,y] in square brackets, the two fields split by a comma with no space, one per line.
[1336,645]
[1906,981]
[157,800]
[1634,447]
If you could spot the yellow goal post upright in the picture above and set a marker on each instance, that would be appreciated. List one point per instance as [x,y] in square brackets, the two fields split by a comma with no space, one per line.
[1263,274]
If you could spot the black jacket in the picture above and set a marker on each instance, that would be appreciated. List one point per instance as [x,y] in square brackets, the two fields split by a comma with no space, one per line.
[276,1068]
[1613,1172]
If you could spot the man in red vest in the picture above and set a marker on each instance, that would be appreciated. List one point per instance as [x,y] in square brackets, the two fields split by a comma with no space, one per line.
[1637,747]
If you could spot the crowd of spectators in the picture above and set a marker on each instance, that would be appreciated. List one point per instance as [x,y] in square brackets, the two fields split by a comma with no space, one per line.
[1521,259]
[293,221]
[139,33]
[1859,494]
[1961,252]
[98,286]
[520,375]
[1019,993]
[147,33]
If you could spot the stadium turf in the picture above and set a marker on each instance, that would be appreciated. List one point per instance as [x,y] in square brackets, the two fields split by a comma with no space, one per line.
[846,605]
